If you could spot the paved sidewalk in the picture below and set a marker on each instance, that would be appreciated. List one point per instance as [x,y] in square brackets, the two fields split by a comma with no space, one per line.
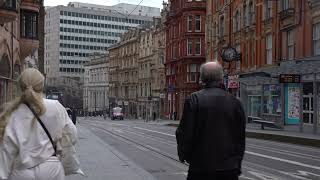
[100,161]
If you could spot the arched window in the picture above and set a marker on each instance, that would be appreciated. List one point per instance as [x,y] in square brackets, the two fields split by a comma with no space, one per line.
[5,67]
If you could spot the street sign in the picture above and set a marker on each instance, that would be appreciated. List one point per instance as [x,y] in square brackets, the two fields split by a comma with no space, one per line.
[162,96]
[170,88]
[289,78]
[233,82]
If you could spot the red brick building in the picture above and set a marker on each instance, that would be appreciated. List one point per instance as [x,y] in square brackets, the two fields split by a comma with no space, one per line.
[185,50]
[274,38]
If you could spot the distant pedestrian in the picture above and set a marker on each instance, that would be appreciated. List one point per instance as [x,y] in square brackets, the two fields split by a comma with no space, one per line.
[154,116]
[211,134]
[74,116]
[175,116]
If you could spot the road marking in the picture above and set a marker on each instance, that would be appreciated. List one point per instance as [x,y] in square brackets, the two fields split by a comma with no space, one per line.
[154,131]
[289,153]
[284,160]
[120,124]
[245,177]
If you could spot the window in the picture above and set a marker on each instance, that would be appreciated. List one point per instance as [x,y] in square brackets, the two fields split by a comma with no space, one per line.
[252,13]
[192,71]
[221,30]
[268,9]
[189,47]
[236,26]
[269,48]
[316,39]
[189,23]
[245,15]
[290,42]
[29,25]
[198,23]
[285,4]
[198,46]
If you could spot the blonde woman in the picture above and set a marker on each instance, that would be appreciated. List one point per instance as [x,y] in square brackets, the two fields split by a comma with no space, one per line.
[26,152]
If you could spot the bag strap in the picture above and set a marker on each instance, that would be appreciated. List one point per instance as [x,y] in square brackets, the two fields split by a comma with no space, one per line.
[44,128]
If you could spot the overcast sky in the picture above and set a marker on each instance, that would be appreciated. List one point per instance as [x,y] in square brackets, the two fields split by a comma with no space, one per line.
[152,3]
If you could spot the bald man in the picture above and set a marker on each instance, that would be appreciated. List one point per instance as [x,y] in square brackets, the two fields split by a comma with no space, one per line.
[211,133]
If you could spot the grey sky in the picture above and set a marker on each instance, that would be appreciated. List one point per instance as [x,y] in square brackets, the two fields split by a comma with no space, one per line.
[152,3]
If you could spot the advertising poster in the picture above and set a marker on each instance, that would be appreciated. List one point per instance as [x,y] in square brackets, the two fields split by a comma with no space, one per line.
[292,99]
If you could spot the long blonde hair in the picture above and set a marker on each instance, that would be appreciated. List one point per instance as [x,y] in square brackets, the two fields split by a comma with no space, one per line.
[31,82]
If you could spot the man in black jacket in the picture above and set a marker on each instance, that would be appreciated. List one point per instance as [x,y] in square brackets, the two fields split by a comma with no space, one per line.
[211,134]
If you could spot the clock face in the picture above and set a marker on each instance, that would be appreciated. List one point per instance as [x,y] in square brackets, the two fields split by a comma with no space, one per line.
[229,54]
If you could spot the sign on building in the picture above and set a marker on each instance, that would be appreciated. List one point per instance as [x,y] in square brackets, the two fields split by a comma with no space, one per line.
[233,82]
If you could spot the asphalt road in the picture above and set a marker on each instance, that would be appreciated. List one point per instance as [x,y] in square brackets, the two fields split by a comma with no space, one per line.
[153,147]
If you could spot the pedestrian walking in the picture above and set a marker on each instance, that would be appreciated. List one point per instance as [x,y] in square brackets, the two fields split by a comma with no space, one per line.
[74,116]
[31,131]
[211,134]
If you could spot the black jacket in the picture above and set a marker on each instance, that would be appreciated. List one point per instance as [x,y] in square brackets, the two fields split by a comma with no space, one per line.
[211,134]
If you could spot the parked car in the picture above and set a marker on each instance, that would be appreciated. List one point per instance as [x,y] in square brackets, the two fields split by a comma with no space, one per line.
[117,113]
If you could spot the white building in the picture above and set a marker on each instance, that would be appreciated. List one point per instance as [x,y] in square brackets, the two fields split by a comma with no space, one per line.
[76,31]
[96,84]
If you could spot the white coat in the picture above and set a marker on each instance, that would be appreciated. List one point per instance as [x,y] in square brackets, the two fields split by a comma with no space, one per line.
[25,144]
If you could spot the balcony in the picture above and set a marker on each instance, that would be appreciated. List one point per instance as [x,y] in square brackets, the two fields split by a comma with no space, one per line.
[287,13]
[31,5]
[288,18]
[8,11]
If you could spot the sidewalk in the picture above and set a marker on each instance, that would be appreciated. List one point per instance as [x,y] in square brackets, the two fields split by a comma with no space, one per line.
[290,134]
[100,161]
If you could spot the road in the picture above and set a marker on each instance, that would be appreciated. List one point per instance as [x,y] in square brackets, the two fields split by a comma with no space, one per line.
[153,147]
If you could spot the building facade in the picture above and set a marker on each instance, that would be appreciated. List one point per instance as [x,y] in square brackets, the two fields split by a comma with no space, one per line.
[274,38]
[19,41]
[96,85]
[77,31]
[151,77]
[124,73]
[185,51]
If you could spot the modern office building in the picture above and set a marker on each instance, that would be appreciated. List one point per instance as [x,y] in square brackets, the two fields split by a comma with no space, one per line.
[77,31]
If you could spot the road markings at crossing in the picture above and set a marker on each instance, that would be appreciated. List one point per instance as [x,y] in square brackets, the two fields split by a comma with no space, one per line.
[154,131]
[284,160]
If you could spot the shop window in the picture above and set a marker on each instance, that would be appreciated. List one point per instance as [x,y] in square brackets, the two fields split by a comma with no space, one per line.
[254,106]
[271,99]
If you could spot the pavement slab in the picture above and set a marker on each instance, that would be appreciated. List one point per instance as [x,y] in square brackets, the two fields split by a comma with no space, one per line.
[100,161]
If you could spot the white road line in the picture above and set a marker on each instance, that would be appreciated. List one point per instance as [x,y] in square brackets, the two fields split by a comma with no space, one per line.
[289,153]
[120,124]
[284,160]
[154,131]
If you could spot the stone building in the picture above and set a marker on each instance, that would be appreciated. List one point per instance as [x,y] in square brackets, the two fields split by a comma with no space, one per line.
[274,38]
[96,85]
[151,70]
[124,73]
[20,32]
